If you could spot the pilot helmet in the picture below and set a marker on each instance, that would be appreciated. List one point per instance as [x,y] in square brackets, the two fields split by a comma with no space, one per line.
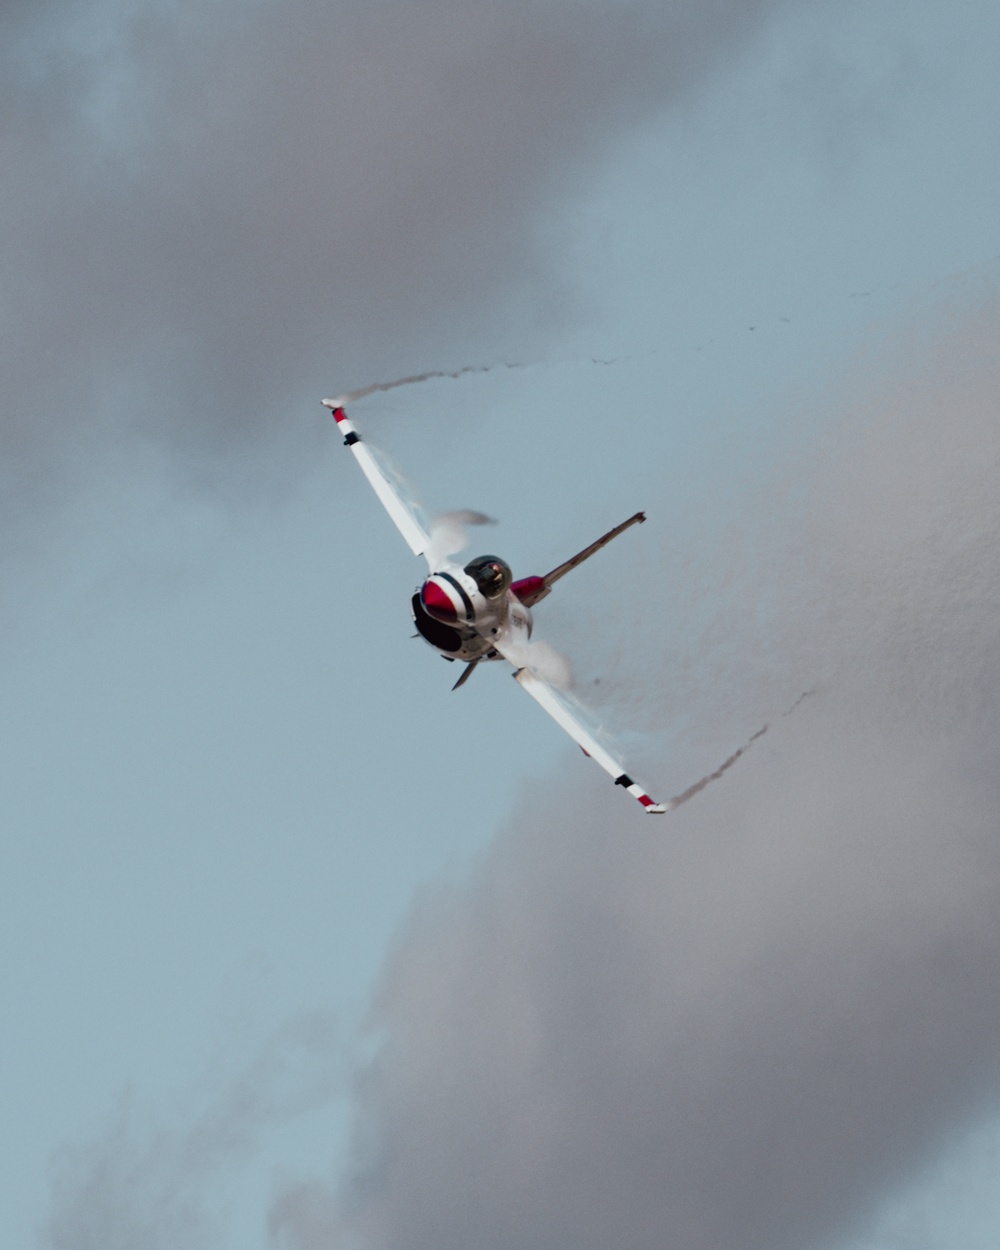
[491,574]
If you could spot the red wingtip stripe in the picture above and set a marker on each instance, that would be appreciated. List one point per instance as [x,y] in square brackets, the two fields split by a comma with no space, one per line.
[339,415]
[645,800]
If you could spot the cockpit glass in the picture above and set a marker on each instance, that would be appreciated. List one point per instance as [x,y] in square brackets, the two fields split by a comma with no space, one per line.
[492,575]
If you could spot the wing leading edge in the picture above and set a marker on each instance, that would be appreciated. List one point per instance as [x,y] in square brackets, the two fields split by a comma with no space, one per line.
[562,712]
[404,512]
[408,518]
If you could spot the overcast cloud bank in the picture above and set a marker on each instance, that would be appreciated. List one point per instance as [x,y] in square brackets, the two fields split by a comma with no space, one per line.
[210,210]
[745,1026]
[740,1028]
[159,1181]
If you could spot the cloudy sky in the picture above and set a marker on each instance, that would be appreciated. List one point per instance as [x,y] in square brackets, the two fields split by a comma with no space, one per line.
[299,949]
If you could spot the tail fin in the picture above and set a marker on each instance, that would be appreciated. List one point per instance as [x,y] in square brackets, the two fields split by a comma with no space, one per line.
[531,590]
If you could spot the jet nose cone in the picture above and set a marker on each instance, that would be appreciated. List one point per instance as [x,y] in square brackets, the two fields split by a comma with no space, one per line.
[438,602]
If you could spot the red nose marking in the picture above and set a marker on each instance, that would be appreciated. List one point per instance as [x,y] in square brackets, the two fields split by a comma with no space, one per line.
[437,603]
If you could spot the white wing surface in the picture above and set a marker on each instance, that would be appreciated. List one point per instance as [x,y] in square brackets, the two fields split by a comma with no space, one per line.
[566,713]
[393,491]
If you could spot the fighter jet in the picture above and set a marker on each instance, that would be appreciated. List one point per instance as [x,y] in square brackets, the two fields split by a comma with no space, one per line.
[476,611]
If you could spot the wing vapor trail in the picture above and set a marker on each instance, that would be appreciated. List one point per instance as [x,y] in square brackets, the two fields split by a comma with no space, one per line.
[698,786]
[350,396]
[542,659]
[449,533]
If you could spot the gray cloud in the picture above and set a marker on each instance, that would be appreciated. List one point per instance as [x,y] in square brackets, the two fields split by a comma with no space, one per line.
[152,1182]
[209,209]
[745,1026]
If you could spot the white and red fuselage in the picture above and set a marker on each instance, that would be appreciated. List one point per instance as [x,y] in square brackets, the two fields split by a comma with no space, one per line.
[456,613]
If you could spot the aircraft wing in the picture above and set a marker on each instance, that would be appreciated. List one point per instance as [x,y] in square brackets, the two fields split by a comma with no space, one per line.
[392,490]
[566,713]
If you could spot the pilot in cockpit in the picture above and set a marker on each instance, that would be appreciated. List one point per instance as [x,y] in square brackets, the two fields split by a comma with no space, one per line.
[491,574]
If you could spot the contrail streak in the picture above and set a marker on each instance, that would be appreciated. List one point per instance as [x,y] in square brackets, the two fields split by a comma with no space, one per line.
[351,396]
[698,786]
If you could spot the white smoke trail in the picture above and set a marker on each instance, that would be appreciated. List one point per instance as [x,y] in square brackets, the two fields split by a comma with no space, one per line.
[449,533]
[698,786]
[548,664]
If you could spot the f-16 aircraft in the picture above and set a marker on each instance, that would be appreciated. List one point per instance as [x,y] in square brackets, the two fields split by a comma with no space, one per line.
[477,611]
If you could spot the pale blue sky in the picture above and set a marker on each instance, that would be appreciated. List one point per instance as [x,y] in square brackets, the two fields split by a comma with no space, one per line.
[228,771]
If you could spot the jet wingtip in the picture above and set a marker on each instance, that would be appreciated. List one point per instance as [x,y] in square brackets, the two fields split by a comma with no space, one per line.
[651,806]
[336,406]
[637,792]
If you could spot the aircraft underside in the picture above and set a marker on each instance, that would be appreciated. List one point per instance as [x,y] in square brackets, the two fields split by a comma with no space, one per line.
[452,643]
